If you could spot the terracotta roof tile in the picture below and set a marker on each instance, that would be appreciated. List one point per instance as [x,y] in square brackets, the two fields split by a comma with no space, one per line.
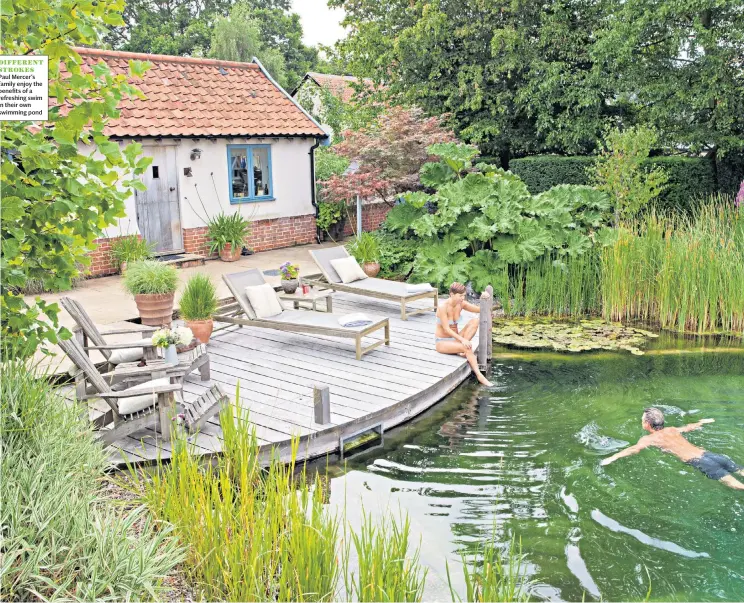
[201,97]
[339,85]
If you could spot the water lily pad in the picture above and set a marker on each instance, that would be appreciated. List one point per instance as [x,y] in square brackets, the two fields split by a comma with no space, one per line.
[585,336]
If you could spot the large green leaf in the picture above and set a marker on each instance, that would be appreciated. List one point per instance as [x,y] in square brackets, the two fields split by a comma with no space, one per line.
[442,262]
[401,218]
[484,267]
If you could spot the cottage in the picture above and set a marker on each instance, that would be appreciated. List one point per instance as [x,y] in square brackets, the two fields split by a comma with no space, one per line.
[223,136]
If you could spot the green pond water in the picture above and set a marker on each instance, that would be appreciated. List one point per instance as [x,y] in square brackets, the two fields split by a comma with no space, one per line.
[526,454]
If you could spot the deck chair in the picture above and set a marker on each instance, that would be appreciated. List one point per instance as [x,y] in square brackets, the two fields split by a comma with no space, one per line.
[149,404]
[87,333]
[376,288]
[293,321]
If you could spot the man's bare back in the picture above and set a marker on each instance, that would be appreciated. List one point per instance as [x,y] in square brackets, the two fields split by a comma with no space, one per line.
[670,439]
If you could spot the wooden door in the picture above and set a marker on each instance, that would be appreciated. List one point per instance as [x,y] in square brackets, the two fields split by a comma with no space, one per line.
[158,210]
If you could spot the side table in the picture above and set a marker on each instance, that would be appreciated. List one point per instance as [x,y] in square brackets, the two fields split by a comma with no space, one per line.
[310,298]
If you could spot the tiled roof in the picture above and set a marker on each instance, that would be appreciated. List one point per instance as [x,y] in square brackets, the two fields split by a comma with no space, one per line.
[188,96]
[340,85]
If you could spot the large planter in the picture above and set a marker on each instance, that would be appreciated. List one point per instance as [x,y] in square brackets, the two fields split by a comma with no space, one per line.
[228,254]
[202,329]
[155,309]
[371,269]
[290,286]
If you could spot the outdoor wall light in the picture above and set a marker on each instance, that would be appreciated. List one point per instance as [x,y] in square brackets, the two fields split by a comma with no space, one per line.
[195,154]
[187,172]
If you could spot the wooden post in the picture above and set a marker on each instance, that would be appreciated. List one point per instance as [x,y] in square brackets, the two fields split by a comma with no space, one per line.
[322,404]
[489,290]
[484,328]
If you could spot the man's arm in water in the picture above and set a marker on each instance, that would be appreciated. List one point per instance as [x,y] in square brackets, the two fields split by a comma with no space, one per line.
[694,426]
[629,451]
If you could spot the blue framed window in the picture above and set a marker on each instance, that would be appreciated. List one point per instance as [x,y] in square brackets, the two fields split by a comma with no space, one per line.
[249,173]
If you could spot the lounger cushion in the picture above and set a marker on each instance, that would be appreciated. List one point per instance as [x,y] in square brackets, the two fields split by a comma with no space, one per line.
[129,354]
[264,300]
[348,269]
[129,405]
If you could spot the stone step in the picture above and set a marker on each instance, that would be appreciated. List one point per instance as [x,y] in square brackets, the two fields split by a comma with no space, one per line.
[184,260]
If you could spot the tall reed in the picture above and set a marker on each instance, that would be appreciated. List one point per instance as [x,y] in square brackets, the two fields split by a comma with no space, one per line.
[684,273]
[62,538]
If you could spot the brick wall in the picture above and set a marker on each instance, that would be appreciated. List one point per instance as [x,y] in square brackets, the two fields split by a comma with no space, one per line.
[373,216]
[101,261]
[265,235]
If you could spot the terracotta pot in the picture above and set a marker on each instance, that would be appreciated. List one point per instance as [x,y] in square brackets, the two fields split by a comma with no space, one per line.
[371,269]
[228,254]
[123,268]
[202,329]
[290,285]
[155,309]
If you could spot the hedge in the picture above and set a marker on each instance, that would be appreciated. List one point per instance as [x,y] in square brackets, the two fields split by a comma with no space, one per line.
[730,172]
[690,178]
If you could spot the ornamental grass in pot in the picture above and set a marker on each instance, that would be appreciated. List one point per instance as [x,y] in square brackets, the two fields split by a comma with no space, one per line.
[153,285]
[227,235]
[366,250]
[130,248]
[197,306]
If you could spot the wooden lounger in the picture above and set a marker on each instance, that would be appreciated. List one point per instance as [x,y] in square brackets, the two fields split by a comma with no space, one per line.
[377,288]
[295,321]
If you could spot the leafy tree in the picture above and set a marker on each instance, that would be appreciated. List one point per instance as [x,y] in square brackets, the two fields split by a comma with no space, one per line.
[56,201]
[620,170]
[238,38]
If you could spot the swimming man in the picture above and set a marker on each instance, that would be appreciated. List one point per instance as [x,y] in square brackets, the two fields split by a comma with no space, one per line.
[669,439]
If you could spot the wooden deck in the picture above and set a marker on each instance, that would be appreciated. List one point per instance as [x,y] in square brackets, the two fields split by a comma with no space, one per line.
[277,371]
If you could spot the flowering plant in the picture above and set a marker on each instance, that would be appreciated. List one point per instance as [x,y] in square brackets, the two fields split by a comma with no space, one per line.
[163,338]
[739,201]
[289,271]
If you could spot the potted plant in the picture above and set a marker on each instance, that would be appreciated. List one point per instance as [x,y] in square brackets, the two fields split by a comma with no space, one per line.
[290,273]
[227,235]
[130,248]
[197,306]
[366,250]
[168,339]
[153,285]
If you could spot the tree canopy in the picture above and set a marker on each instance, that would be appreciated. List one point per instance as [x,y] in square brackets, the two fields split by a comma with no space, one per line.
[522,77]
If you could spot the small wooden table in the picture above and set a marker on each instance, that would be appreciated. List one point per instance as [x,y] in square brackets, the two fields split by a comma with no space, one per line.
[311,298]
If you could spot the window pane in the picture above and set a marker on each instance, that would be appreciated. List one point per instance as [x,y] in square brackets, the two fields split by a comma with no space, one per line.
[239,172]
[261,184]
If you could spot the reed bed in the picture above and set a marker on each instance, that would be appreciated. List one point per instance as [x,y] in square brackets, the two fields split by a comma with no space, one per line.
[268,534]
[684,273]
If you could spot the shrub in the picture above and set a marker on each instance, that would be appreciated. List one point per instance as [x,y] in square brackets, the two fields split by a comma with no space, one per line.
[150,277]
[365,248]
[227,229]
[730,172]
[542,172]
[691,179]
[62,539]
[329,163]
[329,213]
[396,254]
[621,173]
[130,248]
[199,298]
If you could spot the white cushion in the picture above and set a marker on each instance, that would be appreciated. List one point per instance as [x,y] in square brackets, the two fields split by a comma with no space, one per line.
[135,403]
[348,269]
[264,300]
[129,354]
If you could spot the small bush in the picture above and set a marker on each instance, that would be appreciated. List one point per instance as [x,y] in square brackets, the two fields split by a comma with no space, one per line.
[62,540]
[365,248]
[227,229]
[150,276]
[396,255]
[199,298]
[542,172]
[130,248]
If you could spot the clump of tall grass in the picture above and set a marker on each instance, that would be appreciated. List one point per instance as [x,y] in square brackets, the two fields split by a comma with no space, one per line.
[385,572]
[62,539]
[491,574]
[684,273]
[548,287]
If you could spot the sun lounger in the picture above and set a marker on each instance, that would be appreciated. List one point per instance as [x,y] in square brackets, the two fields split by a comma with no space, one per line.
[295,321]
[377,288]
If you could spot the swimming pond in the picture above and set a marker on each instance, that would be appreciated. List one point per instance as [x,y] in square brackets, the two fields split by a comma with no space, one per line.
[526,455]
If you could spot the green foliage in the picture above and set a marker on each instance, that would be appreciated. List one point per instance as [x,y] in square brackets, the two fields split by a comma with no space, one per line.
[386,572]
[130,248]
[150,277]
[63,538]
[401,218]
[57,201]
[442,262]
[227,229]
[492,574]
[329,213]
[329,163]
[397,254]
[619,170]
[730,172]
[365,248]
[199,298]
[542,172]
[690,181]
